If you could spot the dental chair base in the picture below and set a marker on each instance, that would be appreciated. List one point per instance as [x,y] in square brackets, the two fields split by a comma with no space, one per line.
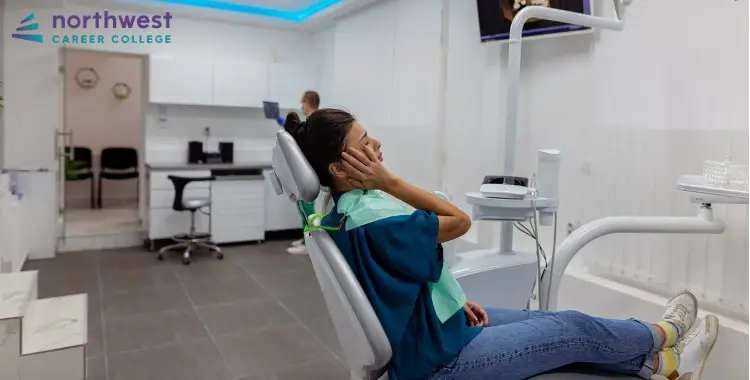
[494,279]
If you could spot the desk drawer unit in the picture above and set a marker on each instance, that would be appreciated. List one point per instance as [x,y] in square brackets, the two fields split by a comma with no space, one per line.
[163,222]
[238,210]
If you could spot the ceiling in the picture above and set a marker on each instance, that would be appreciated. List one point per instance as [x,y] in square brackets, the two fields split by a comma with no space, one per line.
[295,14]
[285,5]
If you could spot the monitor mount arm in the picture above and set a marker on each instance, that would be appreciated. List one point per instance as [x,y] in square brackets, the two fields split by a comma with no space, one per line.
[514,76]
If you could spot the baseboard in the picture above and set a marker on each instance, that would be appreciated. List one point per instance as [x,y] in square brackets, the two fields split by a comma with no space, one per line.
[594,295]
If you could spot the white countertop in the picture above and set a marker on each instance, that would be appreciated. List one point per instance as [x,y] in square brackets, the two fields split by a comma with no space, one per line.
[188,166]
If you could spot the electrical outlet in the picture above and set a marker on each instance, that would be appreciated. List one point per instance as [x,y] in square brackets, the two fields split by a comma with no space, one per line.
[572,226]
[5,266]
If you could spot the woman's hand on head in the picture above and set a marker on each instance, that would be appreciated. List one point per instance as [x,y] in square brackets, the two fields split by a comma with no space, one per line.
[365,171]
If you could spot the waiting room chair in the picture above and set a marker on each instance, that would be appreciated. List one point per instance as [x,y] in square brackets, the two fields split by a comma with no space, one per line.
[365,346]
[191,241]
[83,170]
[118,164]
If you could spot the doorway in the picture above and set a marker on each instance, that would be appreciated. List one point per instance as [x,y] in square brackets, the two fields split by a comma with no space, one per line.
[104,114]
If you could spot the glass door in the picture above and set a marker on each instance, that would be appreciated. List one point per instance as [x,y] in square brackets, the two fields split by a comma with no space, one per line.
[63,151]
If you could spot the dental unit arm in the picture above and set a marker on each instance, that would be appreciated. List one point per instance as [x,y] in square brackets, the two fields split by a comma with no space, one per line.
[542,203]
[514,76]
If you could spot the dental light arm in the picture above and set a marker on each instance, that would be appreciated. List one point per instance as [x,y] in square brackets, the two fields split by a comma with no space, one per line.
[514,75]
[703,223]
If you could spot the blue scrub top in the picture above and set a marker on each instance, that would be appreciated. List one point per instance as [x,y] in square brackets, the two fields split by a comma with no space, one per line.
[394,259]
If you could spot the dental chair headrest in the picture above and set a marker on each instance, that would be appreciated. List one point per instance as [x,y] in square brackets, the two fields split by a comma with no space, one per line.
[292,174]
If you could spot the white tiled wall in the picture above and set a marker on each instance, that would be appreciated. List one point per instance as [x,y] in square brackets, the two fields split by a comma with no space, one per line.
[630,110]
[170,128]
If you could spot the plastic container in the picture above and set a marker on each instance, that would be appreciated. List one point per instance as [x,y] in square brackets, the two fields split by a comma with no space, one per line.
[725,174]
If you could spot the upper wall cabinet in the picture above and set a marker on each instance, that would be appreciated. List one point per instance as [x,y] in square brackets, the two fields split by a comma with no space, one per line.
[288,82]
[225,81]
[181,80]
[239,82]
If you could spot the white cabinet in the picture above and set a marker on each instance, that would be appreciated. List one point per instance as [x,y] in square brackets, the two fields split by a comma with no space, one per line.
[289,82]
[238,209]
[13,250]
[281,213]
[181,79]
[239,82]
[163,221]
[227,81]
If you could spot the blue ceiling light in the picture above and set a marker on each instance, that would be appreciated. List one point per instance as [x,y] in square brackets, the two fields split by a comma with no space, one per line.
[294,16]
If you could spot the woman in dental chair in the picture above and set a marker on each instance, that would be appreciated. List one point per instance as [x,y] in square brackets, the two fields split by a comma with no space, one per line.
[395,253]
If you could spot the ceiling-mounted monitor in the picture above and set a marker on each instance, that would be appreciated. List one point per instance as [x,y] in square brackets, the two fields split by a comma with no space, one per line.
[495,17]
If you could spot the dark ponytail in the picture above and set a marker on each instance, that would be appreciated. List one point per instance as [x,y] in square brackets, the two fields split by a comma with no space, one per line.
[321,138]
[292,124]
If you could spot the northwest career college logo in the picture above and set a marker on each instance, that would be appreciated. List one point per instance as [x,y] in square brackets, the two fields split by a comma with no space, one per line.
[28,24]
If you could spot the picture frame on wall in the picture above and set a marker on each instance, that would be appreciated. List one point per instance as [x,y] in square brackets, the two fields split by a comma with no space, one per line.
[496,16]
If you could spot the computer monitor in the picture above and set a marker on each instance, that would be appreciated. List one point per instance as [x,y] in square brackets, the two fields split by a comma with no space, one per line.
[271,110]
[496,16]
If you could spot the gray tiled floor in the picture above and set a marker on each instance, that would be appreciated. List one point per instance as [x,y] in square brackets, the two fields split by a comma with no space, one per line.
[257,315]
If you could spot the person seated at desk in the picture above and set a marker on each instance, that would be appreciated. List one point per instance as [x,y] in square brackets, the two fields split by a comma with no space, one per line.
[434,332]
[309,103]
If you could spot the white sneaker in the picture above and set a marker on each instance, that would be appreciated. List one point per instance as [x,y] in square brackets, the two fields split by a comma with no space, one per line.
[297,243]
[695,347]
[681,311]
[298,250]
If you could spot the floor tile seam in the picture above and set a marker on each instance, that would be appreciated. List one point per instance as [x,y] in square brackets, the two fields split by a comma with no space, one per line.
[317,338]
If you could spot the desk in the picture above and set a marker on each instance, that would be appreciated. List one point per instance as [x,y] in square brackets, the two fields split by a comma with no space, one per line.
[243,204]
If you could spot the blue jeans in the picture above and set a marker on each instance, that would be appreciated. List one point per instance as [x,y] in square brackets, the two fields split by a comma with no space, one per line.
[519,344]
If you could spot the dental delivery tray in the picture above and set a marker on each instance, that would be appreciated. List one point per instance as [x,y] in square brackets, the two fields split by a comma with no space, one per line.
[517,210]
[701,191]
[503,191]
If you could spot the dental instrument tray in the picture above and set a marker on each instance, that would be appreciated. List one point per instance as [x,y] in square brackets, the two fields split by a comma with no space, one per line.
[703,191]
[499,209]
[504,187]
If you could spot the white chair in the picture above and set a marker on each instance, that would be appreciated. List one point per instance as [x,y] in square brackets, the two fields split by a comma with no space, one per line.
[365,346]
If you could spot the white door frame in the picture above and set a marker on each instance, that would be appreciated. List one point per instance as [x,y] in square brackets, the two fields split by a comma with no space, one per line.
[142,196]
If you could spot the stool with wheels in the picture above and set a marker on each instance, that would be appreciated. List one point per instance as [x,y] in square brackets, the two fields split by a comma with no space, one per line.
[193,240]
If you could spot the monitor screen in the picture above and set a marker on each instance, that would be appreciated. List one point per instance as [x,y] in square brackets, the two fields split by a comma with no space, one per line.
[495,17]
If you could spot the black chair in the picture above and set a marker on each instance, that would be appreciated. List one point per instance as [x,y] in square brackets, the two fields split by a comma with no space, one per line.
[83,168]
[118,164]
[192,240]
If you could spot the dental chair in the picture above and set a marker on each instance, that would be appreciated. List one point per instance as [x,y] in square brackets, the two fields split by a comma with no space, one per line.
[366,349]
